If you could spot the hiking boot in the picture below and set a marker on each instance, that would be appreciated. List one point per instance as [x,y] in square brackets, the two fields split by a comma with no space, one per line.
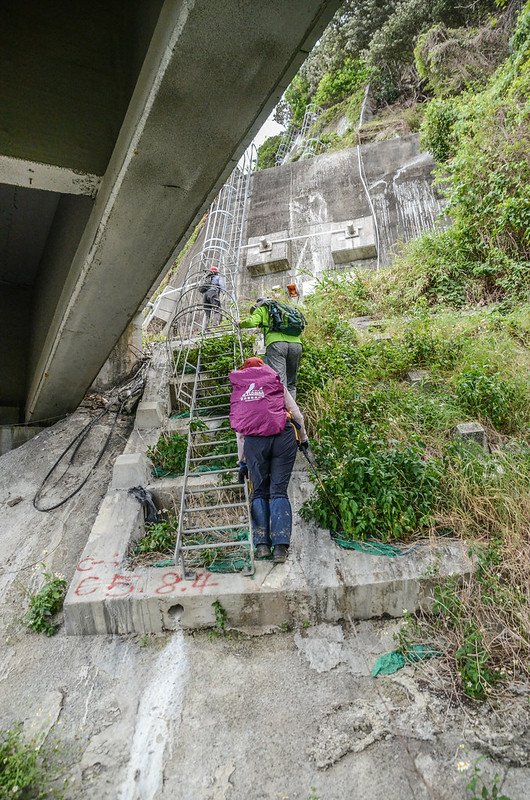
[281,551]
[263,551]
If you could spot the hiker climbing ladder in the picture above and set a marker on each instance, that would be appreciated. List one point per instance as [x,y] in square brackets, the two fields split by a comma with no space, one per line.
[214,513]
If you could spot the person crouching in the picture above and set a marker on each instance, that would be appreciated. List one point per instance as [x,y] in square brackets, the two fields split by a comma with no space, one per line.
[266,419]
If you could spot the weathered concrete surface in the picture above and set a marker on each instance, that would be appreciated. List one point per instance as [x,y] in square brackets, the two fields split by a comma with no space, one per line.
[124,358]
[186,716]
[319,582]
[158,99]
[320,195]
[472,432]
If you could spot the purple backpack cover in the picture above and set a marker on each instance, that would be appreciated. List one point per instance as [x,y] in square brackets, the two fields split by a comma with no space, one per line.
[257,404]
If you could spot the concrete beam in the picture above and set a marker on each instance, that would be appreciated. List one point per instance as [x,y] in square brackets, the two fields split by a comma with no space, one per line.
[33,175]
[213,72]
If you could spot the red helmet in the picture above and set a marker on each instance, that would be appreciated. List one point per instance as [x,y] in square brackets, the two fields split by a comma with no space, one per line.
[214,269]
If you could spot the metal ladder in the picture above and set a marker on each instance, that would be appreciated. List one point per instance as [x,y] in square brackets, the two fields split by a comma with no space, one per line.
[214,530]
[303,141]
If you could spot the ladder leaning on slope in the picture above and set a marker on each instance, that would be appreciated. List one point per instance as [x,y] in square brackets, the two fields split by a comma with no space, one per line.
[214,517]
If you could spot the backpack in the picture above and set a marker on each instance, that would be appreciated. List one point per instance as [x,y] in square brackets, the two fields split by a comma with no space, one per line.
[203,288]
[284,318]
[257,404]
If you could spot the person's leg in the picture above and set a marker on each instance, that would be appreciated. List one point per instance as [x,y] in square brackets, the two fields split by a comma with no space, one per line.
[216,316]
[276,358]
[207,311]
[283,457]
[294,353]
[257,454]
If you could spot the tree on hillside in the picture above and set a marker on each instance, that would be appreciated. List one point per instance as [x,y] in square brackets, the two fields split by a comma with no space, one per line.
[383,33]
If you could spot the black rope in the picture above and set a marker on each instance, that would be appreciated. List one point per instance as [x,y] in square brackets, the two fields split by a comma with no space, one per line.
[118,400]
[76,443]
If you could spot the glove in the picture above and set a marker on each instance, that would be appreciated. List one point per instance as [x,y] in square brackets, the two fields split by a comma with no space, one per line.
[242,475]
[304,446]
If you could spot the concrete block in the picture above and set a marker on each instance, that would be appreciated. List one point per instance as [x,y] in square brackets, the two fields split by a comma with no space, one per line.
[130,469]
[269,253]
[417,376]
[150,414]
[362,323]
[472,431]
[355,243]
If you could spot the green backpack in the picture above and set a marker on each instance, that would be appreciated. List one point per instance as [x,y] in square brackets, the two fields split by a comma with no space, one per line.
[284,318]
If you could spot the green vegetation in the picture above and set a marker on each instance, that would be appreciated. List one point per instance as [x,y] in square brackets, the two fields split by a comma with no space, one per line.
[392,471]
[335,86]
[267,152]
[477,789]
[44,604]
[169,453]
[159,538]
[405,49]
[221,619]
[220,354]
[27,770]
[482,141]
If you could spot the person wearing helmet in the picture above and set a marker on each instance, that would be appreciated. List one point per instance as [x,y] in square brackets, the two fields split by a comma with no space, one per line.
[211,289]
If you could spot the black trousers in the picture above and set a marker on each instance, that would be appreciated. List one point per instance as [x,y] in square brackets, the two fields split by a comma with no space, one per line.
[270,461]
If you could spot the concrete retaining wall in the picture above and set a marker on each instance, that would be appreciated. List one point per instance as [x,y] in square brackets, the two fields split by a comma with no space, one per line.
[316,195]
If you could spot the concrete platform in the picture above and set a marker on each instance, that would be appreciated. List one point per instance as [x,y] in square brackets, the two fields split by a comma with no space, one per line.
[319,583]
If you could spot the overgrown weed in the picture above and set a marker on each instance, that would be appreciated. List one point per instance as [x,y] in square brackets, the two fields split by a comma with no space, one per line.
[28,769]
[46,603]
[392,470]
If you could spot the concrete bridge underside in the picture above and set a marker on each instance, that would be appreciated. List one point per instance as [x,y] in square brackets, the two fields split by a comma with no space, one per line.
[120,121]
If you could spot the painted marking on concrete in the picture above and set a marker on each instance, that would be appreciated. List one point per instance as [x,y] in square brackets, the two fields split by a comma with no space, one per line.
[122,584]
[159,707]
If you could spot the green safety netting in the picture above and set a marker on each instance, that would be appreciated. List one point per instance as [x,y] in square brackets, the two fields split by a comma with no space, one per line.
[229,563]
[391,662]
[182,415]
[165,473]
[372,547]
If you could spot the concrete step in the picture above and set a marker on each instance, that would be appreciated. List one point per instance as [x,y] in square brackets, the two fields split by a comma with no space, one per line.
[320,582]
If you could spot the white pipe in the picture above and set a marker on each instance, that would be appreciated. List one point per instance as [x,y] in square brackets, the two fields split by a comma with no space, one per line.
[365,186]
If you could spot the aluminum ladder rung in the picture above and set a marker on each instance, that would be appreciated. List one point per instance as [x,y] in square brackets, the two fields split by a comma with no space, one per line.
[210,419]
[242,526]
[214,472]
[202,489]
[213,508]
[212,458]
[236,543]
[212,397]
[211,444]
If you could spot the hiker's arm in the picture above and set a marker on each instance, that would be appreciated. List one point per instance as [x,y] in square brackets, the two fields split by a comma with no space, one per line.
[255,320]
[295,412]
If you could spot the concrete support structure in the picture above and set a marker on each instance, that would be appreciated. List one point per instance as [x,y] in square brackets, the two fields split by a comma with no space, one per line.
[268,254]
[355,243]
[314,201]
[120,121]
